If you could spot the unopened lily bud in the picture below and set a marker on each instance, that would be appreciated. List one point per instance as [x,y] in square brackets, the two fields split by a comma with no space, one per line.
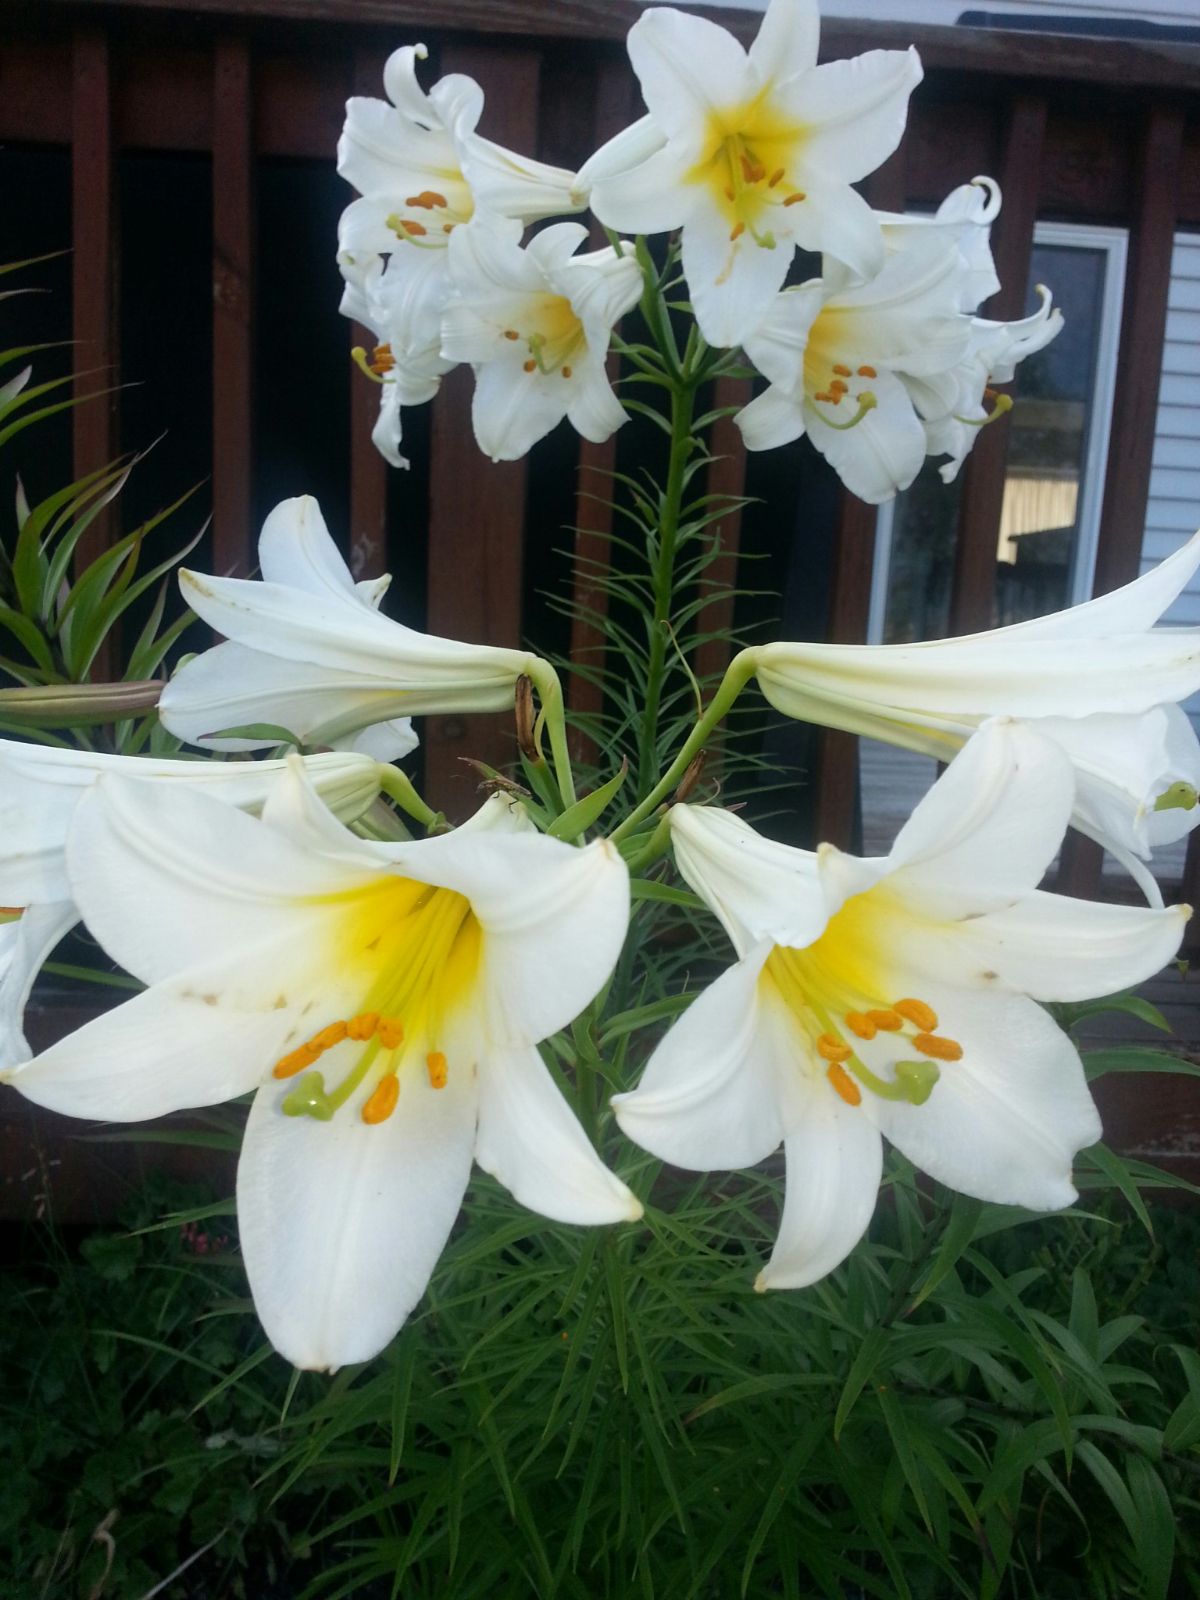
[77,705]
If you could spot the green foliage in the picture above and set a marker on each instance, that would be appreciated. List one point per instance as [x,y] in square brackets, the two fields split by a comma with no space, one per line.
[58,616]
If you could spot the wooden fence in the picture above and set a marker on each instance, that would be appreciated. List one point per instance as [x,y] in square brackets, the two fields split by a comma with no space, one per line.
[1074,129]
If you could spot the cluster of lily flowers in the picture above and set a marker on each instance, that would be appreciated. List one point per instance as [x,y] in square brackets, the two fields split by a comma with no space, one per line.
[383,998]
[881,359]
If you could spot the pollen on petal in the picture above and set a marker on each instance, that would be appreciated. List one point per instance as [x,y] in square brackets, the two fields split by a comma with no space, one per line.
[844,1084]
[382,1101]
[932,1044]
[921,1016]
[435,1065]
[511,333]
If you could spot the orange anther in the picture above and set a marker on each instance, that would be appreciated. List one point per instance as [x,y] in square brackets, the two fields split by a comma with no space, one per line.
[449,227]
[529,366]
[511,333]
[842,372]
[427,199]
[918,1013]
[844,1084]
[751,170]
[822,396]
[382,359]
[296,1062]
[435,1065]
[566,372]
[931,1044]
[328,1037]
[391,1032]
[795,199]
[831,1049]
[383,1100]
[888,1021]
[776,177]
[838,386]
[411,227]
[862,1026]
[737,231]
[729,194]
[363,1026]
[867,372]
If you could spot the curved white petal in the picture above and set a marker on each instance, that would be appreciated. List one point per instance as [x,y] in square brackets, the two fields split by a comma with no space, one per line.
[1005,1122]
[990,826]
[778,344]
[732,282]
[625,150]
[26,944]
[717,1091]
[197,1039]
[834,1164]
[529,1140]
[295,548]
[855,112]
[595,412]
[786,43]
[687,67]
[167,878]
[883,452]
[772,418]
[1129,609]
[758,889]
[341,1223]
[513,409]
[837,220]
[648,198]
[386,741]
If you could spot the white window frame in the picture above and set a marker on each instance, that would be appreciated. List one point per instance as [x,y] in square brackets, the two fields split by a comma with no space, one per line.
[1114,242]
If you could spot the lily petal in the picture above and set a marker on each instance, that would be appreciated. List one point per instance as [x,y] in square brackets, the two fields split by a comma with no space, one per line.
[530,1141]
[341,1223]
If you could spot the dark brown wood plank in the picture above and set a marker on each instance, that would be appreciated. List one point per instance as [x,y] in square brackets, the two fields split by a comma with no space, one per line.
[1139,363]
[1189,889]
[35,91]
[615,106]
[164,98]
[1050,57]
[368,469]
[835,774]
[972,598]
[476,507]
[233,305]
[95,423]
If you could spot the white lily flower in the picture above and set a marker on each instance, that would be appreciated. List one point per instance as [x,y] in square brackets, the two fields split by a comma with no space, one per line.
[840,354]
[1099,679]
[422,171]
[894,997]
[952,425]
[751,153]
[535,324]
[308,651]
[385,1002]
[40,789]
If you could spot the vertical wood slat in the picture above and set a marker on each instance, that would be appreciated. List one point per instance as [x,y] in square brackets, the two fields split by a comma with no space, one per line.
[94,423]
[233,305]
[593,513]
[368,469]
[1135,417]
[974,584]
[476,507]
[835,776]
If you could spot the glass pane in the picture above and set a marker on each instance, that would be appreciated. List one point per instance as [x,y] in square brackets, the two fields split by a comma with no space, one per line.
[1038,541]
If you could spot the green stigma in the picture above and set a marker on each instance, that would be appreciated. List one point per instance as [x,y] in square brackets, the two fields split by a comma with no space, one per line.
[1179,797]
[917,1079]
[308,1099]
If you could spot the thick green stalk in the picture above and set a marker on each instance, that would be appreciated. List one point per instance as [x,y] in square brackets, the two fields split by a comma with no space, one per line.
[683,406]
[549,688]
[737,676]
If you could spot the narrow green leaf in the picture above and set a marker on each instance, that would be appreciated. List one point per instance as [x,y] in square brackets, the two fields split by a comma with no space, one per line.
[861,1371]
[580,817]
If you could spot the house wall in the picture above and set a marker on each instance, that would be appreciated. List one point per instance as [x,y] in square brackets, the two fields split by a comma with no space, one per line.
[949,11]
[1173,513]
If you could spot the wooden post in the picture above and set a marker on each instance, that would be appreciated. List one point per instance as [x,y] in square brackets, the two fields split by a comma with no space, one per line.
[94,423]
[233,306]
[476,507]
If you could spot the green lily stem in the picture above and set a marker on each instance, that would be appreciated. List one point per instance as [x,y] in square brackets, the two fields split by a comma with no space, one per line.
[683,406]
[738,674]
[549,687]
[398,785]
